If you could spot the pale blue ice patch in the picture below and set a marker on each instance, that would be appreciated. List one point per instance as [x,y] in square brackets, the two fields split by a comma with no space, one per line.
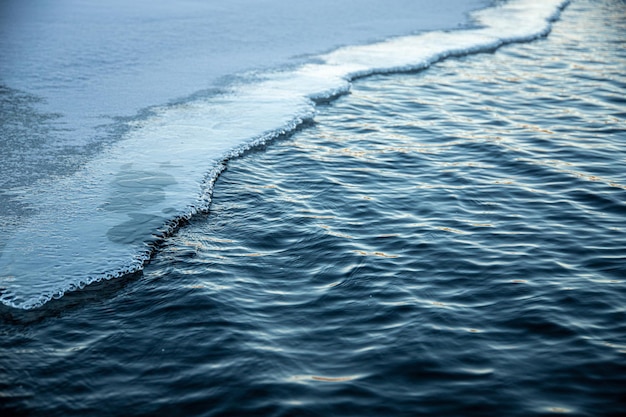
[103,221]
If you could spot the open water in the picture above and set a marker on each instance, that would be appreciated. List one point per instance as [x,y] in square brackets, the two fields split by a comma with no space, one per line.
[441,242]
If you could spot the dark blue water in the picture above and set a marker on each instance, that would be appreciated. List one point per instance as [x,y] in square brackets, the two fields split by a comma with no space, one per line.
[446,242]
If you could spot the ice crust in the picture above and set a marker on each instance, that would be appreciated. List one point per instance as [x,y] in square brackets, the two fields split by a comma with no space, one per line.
[103,221]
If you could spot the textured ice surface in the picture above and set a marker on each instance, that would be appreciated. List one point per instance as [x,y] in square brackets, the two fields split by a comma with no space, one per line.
[101,221]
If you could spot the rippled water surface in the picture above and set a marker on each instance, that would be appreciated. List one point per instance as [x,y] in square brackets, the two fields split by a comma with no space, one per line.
[446,242]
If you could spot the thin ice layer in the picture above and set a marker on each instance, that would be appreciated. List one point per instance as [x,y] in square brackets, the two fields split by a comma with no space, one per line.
[101,222]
